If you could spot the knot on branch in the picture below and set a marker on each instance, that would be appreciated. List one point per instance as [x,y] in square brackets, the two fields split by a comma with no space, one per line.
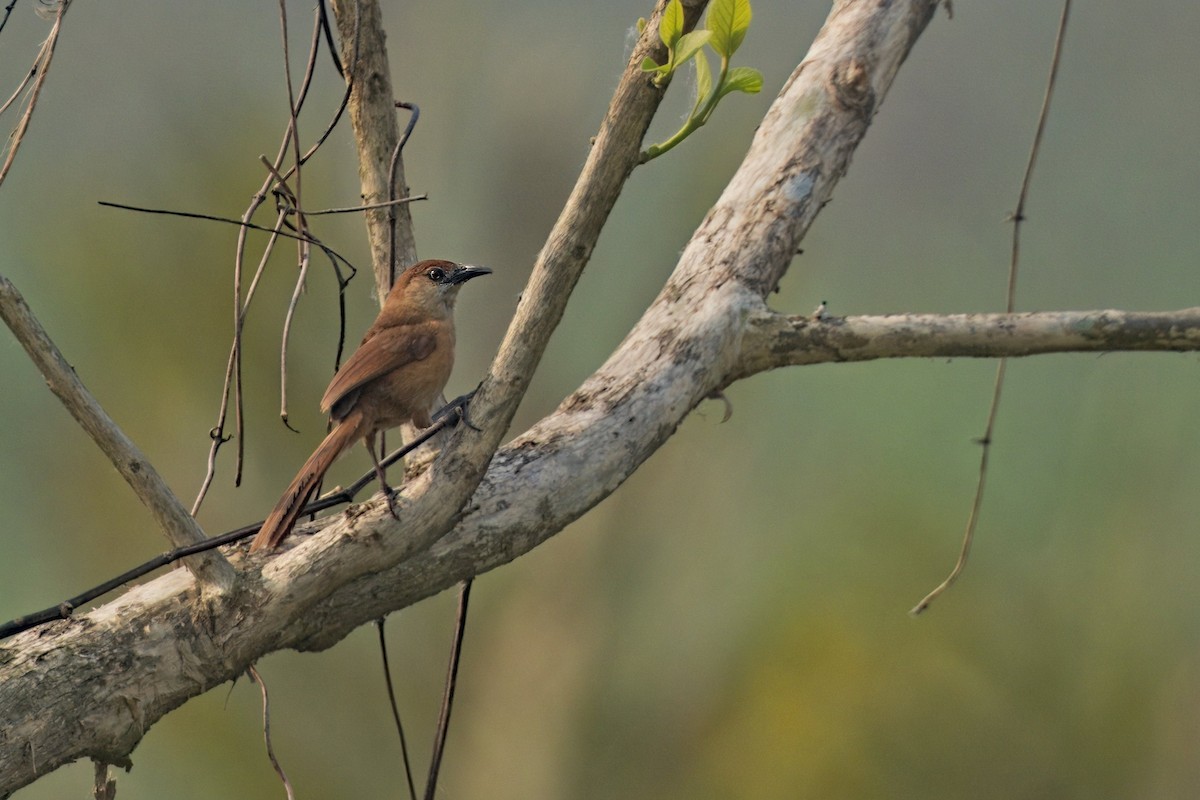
[850,87]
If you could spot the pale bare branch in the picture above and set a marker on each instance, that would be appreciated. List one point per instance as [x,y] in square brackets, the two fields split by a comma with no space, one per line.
[373,117]
[178,525]
[775,340]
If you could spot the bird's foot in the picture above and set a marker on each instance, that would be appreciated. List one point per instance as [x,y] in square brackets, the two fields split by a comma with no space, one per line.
[458,406]
[389,495]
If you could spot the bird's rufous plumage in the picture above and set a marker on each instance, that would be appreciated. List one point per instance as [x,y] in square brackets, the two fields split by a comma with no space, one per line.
[395,376]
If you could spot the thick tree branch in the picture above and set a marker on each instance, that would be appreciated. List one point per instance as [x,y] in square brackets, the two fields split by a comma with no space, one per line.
[614,154]
[179,526]
[775,340]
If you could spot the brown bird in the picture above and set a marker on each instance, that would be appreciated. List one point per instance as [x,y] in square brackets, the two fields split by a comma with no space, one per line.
[394,376]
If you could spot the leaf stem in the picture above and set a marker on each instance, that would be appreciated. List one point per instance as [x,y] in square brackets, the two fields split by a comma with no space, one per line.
[695,121]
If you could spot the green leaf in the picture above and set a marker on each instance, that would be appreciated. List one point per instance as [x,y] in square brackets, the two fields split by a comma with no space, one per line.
[688,45]
[670,27]
[650,65]
[742,79]
[703,82]
[728,20]
[641,25]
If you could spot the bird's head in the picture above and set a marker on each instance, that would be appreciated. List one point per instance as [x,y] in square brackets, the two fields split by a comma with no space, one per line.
[430,287]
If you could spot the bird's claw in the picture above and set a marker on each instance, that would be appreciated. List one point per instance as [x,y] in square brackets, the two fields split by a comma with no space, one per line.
[459,406]
[389,495]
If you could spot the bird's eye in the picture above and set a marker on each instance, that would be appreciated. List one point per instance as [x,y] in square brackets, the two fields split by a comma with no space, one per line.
[437,275]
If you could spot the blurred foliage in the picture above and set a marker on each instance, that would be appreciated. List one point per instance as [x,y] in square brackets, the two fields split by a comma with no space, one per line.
[731,623]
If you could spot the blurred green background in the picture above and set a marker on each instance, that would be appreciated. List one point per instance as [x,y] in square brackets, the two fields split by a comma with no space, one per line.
[732,622]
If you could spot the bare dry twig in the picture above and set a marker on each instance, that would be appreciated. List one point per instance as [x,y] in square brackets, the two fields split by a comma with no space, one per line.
[266,712]
[391,693]
[1018,217]
[41,68]
[233,370]
[443,725]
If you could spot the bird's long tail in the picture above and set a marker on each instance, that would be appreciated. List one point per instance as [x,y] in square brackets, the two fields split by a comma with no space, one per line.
[281,519]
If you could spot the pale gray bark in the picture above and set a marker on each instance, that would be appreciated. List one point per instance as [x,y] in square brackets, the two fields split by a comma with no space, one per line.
[373,117]
[776,340]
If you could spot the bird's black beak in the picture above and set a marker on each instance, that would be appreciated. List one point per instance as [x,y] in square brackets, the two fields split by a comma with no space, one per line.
[464,273]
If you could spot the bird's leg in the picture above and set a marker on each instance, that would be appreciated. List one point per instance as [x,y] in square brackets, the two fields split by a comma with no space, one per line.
[458,406]
[381,474]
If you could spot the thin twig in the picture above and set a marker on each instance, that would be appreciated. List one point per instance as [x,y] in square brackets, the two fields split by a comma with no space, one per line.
[393,167]
[391,690]
[41,65]
[288,317]
[353,209]
[20,88]
[286,199]
[217,432]
[240,308]
[176,523]
[310,66]
[7,10]
[341,109]
[443,726]
[1018,217]
[445,417]
[239,321]
[233,376]
[266,706]
[228,221]
[302,252]
[343,281]
[233,369]
[323,16]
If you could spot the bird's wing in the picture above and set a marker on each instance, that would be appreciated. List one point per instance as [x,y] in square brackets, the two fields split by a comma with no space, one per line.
[388,349]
